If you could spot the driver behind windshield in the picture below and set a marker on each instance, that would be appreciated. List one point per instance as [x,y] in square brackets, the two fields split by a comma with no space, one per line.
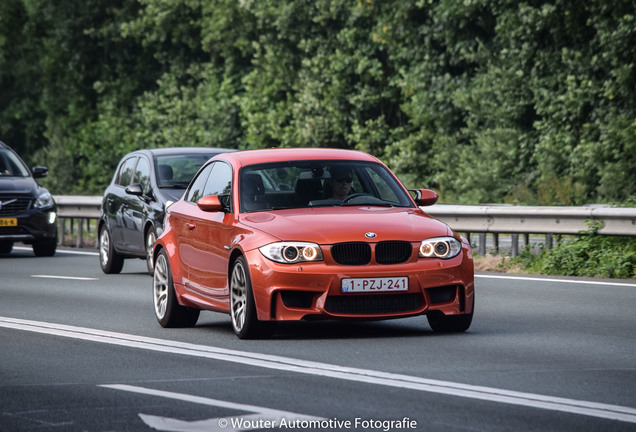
[340,182]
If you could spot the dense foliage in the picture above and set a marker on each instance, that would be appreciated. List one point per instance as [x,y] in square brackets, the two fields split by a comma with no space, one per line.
[590,255]
[484,100]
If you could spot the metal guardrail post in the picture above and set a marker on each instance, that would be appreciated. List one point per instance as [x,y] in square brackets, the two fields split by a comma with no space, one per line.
[482,244]
[62,230]
[80,233]
[515,245]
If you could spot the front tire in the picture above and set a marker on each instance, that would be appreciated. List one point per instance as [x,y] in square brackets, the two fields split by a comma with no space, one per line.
[6,247]
[151,237]
[45,248]
[242,306]
[110,261]
[168,311]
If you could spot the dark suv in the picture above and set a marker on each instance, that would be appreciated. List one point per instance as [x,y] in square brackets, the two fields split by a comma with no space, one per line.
[27,210]
[134,204]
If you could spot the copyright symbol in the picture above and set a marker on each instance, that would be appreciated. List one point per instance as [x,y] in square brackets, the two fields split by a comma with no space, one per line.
[223,423]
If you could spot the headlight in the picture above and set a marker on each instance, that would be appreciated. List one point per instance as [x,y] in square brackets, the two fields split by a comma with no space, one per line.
[292,252]
[44,199]
[440,247]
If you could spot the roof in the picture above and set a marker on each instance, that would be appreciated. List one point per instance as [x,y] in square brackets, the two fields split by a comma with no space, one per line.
[249,157]
[184,150]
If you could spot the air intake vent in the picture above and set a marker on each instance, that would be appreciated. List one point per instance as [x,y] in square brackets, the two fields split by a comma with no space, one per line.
[377,304]
[355,253]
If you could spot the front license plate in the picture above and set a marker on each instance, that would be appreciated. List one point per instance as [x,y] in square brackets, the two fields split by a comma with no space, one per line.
[375,284]
[8,222]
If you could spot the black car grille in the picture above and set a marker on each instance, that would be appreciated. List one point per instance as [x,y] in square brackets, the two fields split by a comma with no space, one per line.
[393,252]
[377,304]
[355,253]
[359,253]
[13,206]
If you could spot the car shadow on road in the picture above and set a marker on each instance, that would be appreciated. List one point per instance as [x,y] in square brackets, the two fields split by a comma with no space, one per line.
[330,329]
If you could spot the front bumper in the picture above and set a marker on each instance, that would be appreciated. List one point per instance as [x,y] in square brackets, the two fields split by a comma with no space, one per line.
[34,226]
[313,290]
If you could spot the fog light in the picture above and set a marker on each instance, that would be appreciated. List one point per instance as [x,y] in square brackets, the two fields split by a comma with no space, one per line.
[52,217]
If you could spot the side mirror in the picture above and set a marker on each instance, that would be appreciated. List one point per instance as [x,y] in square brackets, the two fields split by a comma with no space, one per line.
[39,171]
[135,189]
[424,197]
[210,203]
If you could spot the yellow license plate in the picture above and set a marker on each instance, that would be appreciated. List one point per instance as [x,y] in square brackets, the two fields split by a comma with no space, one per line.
[8,222]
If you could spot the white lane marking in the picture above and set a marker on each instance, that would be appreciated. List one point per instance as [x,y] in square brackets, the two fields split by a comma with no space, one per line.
[540,279]
[262,417]
[64,277]
[594,409]
[66,251]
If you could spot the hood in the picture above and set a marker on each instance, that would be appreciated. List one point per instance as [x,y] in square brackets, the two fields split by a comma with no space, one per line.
[18,186]
[326,225]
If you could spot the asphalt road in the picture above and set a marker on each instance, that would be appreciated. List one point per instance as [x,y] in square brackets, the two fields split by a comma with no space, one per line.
[82,351]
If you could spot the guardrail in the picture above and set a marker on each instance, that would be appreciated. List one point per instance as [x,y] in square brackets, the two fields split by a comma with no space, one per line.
[481,219]
[522,220]
[76,207]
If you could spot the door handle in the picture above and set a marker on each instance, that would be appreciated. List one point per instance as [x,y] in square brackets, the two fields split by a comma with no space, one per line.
[190,226]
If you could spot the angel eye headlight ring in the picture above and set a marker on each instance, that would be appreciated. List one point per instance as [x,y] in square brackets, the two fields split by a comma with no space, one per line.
[310,253]
[292,252]
[440,247]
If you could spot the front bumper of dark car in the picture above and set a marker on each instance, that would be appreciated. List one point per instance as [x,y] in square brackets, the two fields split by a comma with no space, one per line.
[33,225]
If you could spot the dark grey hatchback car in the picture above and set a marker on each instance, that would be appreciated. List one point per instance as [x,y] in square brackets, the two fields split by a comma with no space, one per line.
[134,203]
[27,210]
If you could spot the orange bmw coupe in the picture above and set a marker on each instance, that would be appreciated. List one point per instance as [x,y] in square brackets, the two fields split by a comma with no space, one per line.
[290,234]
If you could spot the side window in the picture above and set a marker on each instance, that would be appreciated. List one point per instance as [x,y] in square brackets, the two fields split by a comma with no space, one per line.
[195,193]
[220,180]
[126,171]
[142,174]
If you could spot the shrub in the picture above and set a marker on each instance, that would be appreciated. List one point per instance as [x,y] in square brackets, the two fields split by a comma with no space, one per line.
[589,254]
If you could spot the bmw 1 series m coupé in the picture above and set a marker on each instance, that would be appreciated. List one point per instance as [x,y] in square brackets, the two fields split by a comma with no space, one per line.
[291,234]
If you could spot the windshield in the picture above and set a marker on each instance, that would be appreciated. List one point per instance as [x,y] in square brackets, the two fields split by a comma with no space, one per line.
[176,171]
[11,165]
[296,184]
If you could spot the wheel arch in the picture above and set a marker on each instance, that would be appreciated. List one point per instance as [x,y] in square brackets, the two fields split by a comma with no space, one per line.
[155,252]
[233,256]
[100,223]
[149,224]
[263,306]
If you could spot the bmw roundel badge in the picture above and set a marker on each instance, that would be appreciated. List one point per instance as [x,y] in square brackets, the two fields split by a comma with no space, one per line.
[370,235]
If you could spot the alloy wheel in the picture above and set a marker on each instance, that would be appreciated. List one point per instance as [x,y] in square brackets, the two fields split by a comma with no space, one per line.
[238,296]
[151,237]
[160,287]
[104,247]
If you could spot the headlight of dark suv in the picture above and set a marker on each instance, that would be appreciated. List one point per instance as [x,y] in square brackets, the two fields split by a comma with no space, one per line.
[44,199]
